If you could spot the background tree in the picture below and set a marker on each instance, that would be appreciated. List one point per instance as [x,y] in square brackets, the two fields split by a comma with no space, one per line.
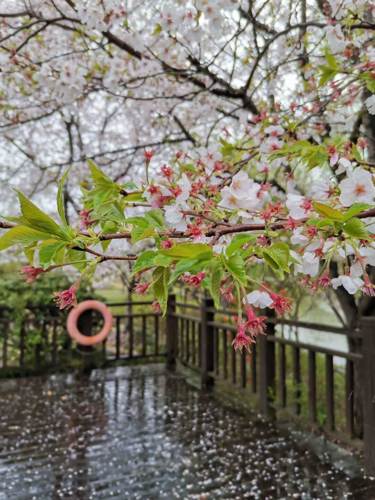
[109,80]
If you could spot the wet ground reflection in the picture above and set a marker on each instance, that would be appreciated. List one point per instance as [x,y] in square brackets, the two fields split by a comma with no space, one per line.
[142,434]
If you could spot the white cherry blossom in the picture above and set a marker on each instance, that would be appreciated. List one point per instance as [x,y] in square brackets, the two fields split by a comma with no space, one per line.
[298,238]
[175,218]
[298,206]
[309,264]
[357,187]
[258,299]
[344,166]
[335,38]
[351,284]
[185,186]
[370,103]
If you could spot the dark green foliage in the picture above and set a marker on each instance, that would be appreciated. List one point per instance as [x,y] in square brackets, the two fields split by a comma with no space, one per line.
[29,308]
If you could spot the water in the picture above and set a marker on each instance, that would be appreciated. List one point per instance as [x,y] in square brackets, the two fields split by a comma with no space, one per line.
[140,433]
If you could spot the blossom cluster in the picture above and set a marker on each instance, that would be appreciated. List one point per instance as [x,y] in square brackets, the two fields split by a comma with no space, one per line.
[284,185]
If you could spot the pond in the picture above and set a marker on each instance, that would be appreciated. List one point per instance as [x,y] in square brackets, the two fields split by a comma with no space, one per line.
[141,433]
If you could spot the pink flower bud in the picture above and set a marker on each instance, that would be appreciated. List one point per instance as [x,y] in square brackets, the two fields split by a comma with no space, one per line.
[166,244]
[66,298]
[141,288]
[242,340]
[148,154]
[31,273]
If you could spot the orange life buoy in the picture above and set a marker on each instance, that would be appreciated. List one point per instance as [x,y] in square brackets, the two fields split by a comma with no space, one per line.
[76,312]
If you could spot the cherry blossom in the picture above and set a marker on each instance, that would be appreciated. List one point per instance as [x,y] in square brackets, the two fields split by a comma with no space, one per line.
[370,103]
[357,187]
[194,279]
[31,273]
[298,206]
[241,340]
[351,284]
[308,264]
[141,288]
[280,303]
[66,298]
[258,299]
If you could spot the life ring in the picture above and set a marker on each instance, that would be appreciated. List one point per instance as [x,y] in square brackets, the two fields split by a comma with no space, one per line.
[75,313]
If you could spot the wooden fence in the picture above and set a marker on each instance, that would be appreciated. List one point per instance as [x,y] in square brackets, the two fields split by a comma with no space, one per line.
[286,378]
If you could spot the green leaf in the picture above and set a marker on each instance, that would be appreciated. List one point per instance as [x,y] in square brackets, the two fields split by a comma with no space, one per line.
[214,281]
[38,220]
[48,250]
[144,261]
[280,253]
[277,257]
[99,177]
[355,209]
[369,80]
[75,258]
[185,265]
[60,199]
[331,60]
[141,233]
[155,218]
[108,226]
[326,74]
[138,221]
[133,197]
[356,228]
[141,228]
[320,223]
[327,211]
[188,251]
[162,260]
[187,167]
[29,252]
[227,148]
[311,154]
[270,260]
[21,234]
[151,258]
[330,70]
[236,267]
[238,241]
[129,186]
[160,286]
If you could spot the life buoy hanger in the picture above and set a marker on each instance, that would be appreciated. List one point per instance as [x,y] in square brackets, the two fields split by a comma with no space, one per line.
[75,313]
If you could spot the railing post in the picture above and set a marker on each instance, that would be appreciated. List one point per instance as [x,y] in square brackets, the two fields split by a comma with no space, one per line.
[267,375]
[207,342]
[368,385]
[171,333]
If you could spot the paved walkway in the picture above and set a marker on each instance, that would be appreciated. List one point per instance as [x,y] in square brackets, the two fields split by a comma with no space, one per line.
[140,433]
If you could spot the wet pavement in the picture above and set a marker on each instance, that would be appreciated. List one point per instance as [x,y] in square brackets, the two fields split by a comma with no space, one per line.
[140,433]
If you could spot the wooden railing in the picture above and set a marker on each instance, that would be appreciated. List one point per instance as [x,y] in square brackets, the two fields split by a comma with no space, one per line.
[137,332]
[286,378]
[40,340]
